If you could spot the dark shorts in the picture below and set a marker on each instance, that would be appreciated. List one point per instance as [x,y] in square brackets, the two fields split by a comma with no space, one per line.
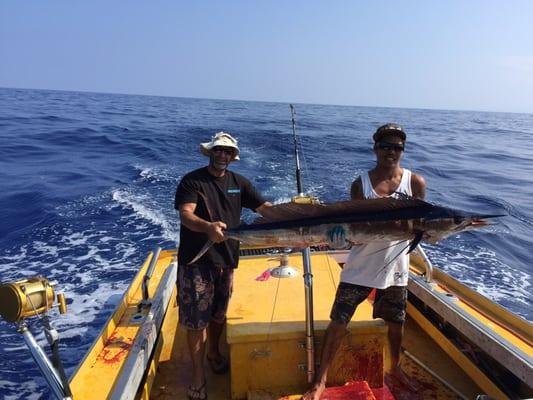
[204,292]
[389,304]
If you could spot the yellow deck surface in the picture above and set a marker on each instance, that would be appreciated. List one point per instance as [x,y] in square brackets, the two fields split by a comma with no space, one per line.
[254,304]
[269,316]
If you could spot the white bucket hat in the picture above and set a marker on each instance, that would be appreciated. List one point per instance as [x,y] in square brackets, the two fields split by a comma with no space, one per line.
[220,139]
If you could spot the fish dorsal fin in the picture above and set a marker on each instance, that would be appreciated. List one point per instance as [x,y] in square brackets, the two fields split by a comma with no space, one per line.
[295,211]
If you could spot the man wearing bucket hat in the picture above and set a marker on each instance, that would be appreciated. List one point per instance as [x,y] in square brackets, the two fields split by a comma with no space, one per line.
[209,200]
[381,266]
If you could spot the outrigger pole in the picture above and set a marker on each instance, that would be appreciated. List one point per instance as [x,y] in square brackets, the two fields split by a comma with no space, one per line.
[296,155]
[308,276]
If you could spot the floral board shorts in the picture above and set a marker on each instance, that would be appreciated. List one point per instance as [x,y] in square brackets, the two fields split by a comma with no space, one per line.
[204,292]
[389,304]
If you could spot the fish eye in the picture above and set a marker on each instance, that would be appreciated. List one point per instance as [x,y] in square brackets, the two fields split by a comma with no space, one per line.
[458,220]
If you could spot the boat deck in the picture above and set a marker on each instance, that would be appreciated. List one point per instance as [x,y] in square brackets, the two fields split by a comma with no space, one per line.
[266,332]
[457,343]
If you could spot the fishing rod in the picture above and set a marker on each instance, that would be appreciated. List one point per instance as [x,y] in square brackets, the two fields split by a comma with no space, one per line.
[296,155]
[308,276]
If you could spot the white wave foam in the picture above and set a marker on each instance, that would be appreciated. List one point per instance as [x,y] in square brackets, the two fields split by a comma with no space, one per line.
[481,270]
[155,174]
[140,204]
[30,390]
[84,308]
[45,248]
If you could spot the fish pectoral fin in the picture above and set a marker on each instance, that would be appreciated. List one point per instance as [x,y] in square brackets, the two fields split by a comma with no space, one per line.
[418,237]
[201,252]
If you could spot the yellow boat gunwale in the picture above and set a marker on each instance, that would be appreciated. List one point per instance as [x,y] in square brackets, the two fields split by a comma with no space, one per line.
[111,348]
[165,348]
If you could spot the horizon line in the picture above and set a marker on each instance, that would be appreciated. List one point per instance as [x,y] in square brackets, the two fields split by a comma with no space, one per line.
[268,101]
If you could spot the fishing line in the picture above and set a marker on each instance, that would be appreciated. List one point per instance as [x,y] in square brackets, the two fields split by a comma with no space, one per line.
[387,247]
[273,310]
[33,306]
[394,258]
[330,271]
[306,167]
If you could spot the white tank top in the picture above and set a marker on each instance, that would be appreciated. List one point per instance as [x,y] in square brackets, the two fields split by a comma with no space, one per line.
[379,264]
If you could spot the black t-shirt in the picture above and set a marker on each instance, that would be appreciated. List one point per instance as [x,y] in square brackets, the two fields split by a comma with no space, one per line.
[226,196]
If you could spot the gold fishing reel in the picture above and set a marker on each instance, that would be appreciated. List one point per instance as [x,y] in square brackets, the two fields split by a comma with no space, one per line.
[305,199]
[28,298]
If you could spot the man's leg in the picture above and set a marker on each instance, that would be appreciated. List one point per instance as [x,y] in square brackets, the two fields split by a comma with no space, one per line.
[395,335]
[215,332]
[395,339]
[335,332]
[195,299]
[196,340]
[347,298]
[222,295]
[390,304]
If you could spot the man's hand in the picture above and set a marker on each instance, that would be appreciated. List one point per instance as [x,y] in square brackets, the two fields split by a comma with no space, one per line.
[215,231]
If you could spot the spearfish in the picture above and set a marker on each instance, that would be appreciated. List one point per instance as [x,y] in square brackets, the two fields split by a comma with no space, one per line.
[352,222]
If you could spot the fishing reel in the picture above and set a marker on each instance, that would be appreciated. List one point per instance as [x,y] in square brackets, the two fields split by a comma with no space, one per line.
[305,199]
[28,298]
[34,297]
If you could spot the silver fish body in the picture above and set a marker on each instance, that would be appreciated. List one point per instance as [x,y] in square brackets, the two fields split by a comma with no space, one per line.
[353,222]
[334,234]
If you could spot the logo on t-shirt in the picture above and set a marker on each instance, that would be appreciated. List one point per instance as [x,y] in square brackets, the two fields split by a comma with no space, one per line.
[234,190]
[399,275]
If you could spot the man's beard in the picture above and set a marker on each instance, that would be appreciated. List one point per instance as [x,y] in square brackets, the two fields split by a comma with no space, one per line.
[218,165]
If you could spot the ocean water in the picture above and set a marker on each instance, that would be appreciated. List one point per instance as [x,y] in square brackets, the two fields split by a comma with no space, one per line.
[87,188]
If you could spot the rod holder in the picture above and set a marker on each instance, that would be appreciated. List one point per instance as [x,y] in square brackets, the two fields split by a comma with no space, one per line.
[428,276]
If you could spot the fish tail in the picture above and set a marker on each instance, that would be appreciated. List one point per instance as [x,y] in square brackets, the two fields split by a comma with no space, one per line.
[201,252]
[418,237]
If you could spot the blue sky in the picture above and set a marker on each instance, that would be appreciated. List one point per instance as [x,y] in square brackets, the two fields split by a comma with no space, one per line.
[471,55]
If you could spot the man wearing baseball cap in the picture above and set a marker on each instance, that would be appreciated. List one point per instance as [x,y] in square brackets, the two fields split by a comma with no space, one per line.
[382,266]
[209,200]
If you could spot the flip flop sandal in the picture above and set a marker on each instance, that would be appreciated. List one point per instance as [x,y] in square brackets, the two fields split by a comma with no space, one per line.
[197,393]
[220,367]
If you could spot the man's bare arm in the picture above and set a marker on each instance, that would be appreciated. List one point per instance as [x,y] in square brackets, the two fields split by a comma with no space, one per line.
[214,230]
[418,186]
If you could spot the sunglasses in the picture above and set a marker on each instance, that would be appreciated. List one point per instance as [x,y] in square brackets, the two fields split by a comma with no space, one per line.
[228,152]
[390,146]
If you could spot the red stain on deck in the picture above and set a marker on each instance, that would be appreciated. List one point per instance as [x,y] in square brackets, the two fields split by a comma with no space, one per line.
[361,364]
[401,392]
[115,349]
[351,391]
[382,393]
